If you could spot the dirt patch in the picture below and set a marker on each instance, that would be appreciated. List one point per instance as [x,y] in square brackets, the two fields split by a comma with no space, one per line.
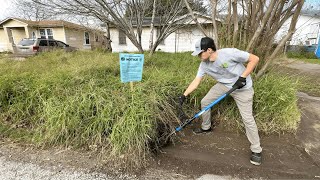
[226,153]
[309,130]
[22,161]
[312,69]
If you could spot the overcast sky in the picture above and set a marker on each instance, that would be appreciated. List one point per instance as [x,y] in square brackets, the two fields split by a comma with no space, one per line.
[5,4]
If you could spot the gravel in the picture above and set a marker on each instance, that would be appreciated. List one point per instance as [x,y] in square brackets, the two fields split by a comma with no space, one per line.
[11,170]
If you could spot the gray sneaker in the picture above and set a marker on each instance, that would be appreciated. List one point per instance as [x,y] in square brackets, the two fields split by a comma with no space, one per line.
[255,158]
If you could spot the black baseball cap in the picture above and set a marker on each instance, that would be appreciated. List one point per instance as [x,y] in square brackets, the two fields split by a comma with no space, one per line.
[202,45]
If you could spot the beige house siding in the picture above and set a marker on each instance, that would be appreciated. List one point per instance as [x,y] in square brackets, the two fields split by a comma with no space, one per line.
[75,38]
[58,33]
[101,43]
[3,41]
[18,34]
[13,30]
[31,30]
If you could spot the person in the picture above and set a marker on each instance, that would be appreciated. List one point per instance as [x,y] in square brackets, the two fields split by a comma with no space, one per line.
[226,66]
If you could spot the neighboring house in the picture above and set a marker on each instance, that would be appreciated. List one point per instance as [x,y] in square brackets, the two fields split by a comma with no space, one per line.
[12,30]
[181,40]
[307,30]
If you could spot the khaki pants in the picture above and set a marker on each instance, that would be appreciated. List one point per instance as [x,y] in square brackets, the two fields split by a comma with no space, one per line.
[244,101]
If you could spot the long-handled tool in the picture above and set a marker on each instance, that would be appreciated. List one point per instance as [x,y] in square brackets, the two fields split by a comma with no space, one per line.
[179,128]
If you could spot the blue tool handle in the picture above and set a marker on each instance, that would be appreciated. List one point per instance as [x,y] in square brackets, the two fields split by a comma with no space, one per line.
[215,102]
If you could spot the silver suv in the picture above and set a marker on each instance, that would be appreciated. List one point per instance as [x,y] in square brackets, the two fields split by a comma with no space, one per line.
[29,47]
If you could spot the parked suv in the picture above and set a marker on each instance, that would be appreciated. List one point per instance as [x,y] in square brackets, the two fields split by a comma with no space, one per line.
[34,46]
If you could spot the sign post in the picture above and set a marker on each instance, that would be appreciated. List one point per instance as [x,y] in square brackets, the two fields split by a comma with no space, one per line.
[131,67]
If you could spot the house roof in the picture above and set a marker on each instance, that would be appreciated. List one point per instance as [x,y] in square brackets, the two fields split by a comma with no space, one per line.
[147,21]
[311,13]
[157,20]
[48,23]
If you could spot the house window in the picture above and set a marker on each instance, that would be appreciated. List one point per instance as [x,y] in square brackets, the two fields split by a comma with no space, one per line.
[158,34]
[122,37]
[46,33]
[86,38]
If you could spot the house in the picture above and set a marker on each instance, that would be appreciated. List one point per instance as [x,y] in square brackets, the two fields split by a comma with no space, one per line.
[307,30]
[12,30]
[181,40]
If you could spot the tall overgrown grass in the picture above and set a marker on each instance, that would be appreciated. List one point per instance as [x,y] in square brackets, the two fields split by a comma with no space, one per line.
[77,100]
[275,106]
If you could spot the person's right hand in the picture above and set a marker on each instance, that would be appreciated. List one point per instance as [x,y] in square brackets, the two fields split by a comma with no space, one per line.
[181,98]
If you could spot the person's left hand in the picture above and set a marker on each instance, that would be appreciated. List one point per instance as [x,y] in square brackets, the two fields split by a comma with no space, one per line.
[240,83]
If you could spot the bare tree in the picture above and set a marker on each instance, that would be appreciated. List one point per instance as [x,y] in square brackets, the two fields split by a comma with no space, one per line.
[152,23]
[214,4]
[171,19]
[255,28]
[194,18]
[126,15]
[29,10]
[284,40]
[235,22]
[260,28]
[228,22]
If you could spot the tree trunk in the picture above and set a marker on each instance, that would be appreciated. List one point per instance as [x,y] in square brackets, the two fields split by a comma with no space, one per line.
[152,25]
[241,31]
[135,43]
[235,23]
[153,49]
[261,27]
[229,23]
[246,26]
[214,23]
[108,39]
[284,40]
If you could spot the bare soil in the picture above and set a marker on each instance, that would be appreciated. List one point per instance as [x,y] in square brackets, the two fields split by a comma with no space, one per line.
[226,153]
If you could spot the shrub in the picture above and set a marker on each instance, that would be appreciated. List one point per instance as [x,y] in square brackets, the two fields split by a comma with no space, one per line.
[77,100]
[299,55]
[275,106]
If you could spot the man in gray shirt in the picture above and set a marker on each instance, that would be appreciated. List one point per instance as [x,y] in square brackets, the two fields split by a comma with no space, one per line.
[226,66]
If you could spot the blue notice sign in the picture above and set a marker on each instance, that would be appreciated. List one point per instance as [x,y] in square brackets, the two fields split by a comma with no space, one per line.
[317,52]
[131,67]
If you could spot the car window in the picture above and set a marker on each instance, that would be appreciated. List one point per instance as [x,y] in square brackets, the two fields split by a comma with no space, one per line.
[61,44]
[52,43]
[26,42]
[43,43]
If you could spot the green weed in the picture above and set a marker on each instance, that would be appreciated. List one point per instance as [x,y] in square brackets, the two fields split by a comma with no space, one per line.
[77,100]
